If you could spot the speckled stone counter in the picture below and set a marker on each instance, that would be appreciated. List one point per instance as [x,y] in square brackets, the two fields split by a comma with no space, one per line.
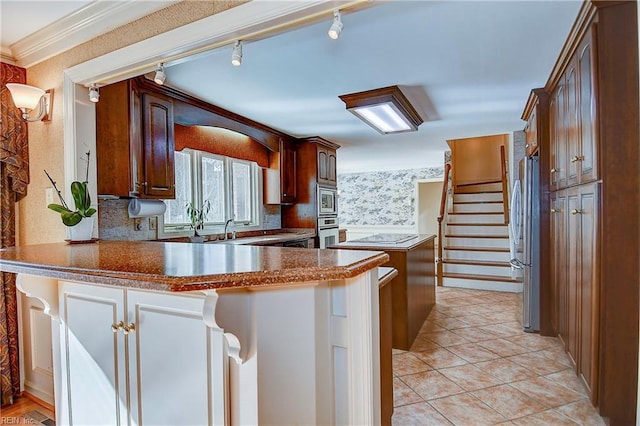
[185,266]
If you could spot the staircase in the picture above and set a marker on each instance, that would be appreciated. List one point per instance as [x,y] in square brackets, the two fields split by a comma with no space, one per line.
[476,241]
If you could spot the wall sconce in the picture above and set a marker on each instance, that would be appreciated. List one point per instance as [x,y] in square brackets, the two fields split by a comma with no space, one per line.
[27,98]
[387,110]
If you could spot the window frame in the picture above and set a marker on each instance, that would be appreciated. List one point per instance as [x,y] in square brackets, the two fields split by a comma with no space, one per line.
[256,191]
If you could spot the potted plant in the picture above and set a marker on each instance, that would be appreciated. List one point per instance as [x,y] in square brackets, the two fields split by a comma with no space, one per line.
[197,217]
[80,220]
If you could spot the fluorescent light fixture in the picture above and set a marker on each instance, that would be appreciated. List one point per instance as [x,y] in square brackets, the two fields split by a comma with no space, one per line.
[160,76]
[27,98]
[387,110]
[236,55]
[94,93]
[336,26]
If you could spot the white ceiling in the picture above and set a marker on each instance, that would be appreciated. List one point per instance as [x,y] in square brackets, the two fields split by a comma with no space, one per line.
[467,66]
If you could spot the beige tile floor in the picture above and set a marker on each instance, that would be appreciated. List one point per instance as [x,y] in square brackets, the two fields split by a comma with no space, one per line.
[472,364]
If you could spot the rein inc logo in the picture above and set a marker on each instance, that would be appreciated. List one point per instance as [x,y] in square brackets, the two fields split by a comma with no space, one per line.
[18,421]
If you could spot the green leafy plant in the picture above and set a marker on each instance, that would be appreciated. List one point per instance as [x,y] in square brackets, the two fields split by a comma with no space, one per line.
[81,199]
[197,216]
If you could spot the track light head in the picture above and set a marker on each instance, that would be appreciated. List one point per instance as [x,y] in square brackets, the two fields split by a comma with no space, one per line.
[94,93]
[160,76]
[236,55]
[336,26]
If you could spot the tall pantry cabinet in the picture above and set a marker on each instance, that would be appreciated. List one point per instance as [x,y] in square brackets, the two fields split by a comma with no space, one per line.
[590,181]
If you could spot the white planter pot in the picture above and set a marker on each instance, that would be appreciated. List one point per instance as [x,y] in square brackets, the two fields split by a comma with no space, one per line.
[198,239]
[83,231]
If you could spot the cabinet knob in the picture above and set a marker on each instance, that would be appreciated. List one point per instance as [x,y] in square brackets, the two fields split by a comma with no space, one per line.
[576,158]
[576,211]
[554,170]
[555,210]
[117,326]
[129,328]
[140,184]
[285,194]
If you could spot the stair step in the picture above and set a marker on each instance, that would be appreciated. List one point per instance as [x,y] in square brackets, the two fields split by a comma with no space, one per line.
[475,224]
[475,241]
[476,236]
[475,188]
[492,207]
[475,213]
[492,285]
[478,202]
[476,262]
[478,196]
[478,268]
[477,229]
[493,249]
[482,277]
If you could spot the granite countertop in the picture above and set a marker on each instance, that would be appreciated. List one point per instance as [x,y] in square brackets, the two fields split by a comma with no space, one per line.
[405,243]
[267,239]
[186,266]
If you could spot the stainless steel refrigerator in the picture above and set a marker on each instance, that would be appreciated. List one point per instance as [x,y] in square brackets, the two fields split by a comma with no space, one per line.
[526,236]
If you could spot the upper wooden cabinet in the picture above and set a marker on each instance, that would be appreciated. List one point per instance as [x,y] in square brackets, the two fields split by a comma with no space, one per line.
[536,114]
[574,142]
[134,142]
[325,150]
[327,166]
[280,186]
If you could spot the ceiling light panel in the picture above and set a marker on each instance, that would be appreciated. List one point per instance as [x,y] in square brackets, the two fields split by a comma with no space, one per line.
[387,110]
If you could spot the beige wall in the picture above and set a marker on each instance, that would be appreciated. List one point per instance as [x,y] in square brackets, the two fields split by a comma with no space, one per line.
[37,224]
[477,160]
[429,195]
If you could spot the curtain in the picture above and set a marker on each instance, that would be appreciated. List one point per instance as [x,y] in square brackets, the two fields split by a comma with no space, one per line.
[14,178]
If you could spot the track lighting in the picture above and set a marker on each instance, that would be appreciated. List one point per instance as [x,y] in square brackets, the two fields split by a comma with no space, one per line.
[94,93]
[160,76]
[336,27]
[236,55]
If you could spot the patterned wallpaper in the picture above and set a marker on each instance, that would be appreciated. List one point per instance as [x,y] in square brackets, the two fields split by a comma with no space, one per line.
[381,198]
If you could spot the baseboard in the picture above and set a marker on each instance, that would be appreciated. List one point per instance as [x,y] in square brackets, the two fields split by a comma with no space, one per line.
[31,394]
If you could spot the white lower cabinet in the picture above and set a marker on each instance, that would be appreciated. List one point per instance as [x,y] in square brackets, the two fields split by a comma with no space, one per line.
[132,357]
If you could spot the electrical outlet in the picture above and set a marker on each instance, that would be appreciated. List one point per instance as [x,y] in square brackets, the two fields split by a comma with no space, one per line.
[48,196]
[137,224]
[152,223]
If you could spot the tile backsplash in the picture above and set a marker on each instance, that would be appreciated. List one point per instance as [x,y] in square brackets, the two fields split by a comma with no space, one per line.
[114,222]
[381,198]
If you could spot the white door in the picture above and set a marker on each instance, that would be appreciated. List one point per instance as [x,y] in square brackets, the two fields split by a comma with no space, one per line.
[177,364]
[92,355]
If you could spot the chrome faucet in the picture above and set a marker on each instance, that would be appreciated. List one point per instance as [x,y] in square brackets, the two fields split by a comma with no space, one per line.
[226,224]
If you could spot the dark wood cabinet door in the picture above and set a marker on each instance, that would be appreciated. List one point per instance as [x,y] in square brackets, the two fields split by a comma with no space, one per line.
[158,146]
[288,172]
[571,120]
[587,215]
[332,173]
[573,273]
[559,267]
[587,157]
[558,148]
[531,134]
[323,163]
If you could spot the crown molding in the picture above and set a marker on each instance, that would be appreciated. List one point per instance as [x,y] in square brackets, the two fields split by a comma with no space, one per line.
[6,55]
[84,24]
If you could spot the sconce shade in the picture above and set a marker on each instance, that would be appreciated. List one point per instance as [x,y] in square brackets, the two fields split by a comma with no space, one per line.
[387,110]
[25,96]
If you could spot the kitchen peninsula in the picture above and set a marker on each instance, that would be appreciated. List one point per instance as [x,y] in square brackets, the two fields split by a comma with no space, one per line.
[414,289]
[179,333]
